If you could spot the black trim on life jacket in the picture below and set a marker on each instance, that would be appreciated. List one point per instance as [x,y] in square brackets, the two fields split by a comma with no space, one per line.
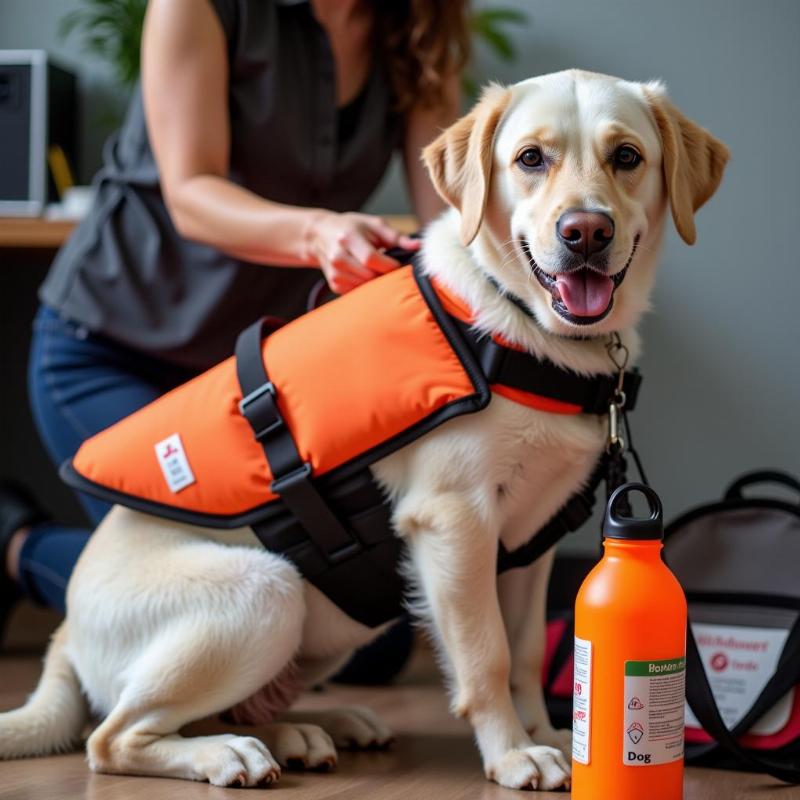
[273,510]
[524,371]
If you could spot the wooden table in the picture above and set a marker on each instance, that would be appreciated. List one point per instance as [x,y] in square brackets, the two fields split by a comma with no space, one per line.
[22,233]
[33,233]
[434,757]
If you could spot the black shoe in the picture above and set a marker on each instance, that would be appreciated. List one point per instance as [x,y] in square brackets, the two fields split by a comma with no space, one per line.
[18,509]
[379,662]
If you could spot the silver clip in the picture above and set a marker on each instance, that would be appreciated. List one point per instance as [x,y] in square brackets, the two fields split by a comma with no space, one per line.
[619,356]
[615,441]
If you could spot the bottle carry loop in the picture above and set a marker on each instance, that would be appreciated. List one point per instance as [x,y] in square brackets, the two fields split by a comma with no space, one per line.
[619,522]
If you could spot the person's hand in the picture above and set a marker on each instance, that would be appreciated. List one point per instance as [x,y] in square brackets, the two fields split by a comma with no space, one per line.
[348,247]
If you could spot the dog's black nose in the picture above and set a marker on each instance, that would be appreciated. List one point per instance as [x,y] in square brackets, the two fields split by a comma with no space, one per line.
[585,232]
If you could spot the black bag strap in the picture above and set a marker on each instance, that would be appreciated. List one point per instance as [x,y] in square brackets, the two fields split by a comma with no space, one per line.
[734,491]
[291,475]
[702,702]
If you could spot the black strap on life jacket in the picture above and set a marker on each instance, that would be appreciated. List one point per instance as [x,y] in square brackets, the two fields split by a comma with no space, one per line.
[351,554]
[291,475]
[354,564]
[570,517]
[524,371]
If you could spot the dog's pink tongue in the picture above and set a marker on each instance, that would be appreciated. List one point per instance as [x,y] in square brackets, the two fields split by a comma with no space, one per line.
[585,293]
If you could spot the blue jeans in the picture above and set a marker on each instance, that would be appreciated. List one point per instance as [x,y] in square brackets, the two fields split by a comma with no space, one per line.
[79,383]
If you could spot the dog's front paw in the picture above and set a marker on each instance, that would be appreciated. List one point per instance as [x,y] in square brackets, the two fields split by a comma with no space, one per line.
[300,745]
[355,728]
[560,738]
[536,767]
[237,761]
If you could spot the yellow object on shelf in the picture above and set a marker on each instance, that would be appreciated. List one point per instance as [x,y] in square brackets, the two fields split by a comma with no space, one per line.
[60,169]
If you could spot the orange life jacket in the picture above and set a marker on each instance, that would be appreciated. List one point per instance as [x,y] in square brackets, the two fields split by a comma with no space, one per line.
[280,437]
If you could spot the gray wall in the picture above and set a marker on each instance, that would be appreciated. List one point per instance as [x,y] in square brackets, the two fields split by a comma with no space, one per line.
[722,389]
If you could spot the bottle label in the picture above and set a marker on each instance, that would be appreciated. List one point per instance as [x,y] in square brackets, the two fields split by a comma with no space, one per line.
[581,701]
[654,704]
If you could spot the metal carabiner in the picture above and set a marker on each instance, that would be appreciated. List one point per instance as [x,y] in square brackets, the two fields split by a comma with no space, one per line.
[619,356]
[615,441]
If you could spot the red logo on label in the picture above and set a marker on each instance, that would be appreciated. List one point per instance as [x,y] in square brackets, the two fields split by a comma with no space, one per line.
[578,688]
[170,451]
[635,732]
[579,716]
[719,662]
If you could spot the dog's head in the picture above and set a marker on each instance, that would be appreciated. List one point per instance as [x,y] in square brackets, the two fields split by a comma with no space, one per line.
[568,177]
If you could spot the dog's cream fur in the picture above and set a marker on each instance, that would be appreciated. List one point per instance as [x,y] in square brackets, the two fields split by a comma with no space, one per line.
[168,623]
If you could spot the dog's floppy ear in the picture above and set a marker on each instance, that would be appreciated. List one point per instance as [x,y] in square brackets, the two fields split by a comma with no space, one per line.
[459,161]
[693,160]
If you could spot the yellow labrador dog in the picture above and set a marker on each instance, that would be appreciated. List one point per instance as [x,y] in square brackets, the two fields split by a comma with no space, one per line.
[559,188]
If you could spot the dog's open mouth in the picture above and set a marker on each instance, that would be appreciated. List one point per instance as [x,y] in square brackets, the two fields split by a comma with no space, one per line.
[583,296]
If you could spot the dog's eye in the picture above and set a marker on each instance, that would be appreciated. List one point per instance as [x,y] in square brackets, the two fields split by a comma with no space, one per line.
[531,158]
[626,157]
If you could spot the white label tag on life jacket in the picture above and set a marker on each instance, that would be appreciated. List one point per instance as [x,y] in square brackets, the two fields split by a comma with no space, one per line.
[174,464]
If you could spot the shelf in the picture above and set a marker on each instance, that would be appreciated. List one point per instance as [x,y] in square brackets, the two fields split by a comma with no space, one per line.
[33,233]
[44,234]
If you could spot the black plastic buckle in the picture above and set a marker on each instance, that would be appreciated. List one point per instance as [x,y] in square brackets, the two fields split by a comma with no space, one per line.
[296,482]
[288,481]
[259,404]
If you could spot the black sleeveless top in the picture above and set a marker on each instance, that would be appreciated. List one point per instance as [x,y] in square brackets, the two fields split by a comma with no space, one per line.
[128,274]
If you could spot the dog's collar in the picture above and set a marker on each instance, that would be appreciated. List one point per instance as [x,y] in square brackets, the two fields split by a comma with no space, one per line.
[511,297]
[520,375]
[519,303]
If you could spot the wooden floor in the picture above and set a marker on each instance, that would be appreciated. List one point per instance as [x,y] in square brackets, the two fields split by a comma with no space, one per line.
[433,759]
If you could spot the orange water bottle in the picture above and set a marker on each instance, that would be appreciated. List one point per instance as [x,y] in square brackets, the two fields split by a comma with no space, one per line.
[630,664]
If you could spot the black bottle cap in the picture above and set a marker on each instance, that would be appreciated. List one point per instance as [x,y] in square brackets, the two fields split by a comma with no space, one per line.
[618,522]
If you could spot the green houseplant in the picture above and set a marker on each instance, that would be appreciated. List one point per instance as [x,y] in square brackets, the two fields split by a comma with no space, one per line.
[112,30]
[490,28]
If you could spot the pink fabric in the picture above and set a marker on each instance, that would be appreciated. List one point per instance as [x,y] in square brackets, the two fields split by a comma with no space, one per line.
[554,632]
[270,700]
[562,685]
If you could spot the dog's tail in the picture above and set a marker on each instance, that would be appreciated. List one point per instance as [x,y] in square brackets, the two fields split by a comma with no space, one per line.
[53,718]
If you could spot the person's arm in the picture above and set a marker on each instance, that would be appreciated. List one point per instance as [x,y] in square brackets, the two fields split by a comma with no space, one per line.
[423,125]
[185,89]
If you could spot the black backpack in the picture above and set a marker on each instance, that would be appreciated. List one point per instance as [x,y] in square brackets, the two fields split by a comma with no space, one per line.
[739,563]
